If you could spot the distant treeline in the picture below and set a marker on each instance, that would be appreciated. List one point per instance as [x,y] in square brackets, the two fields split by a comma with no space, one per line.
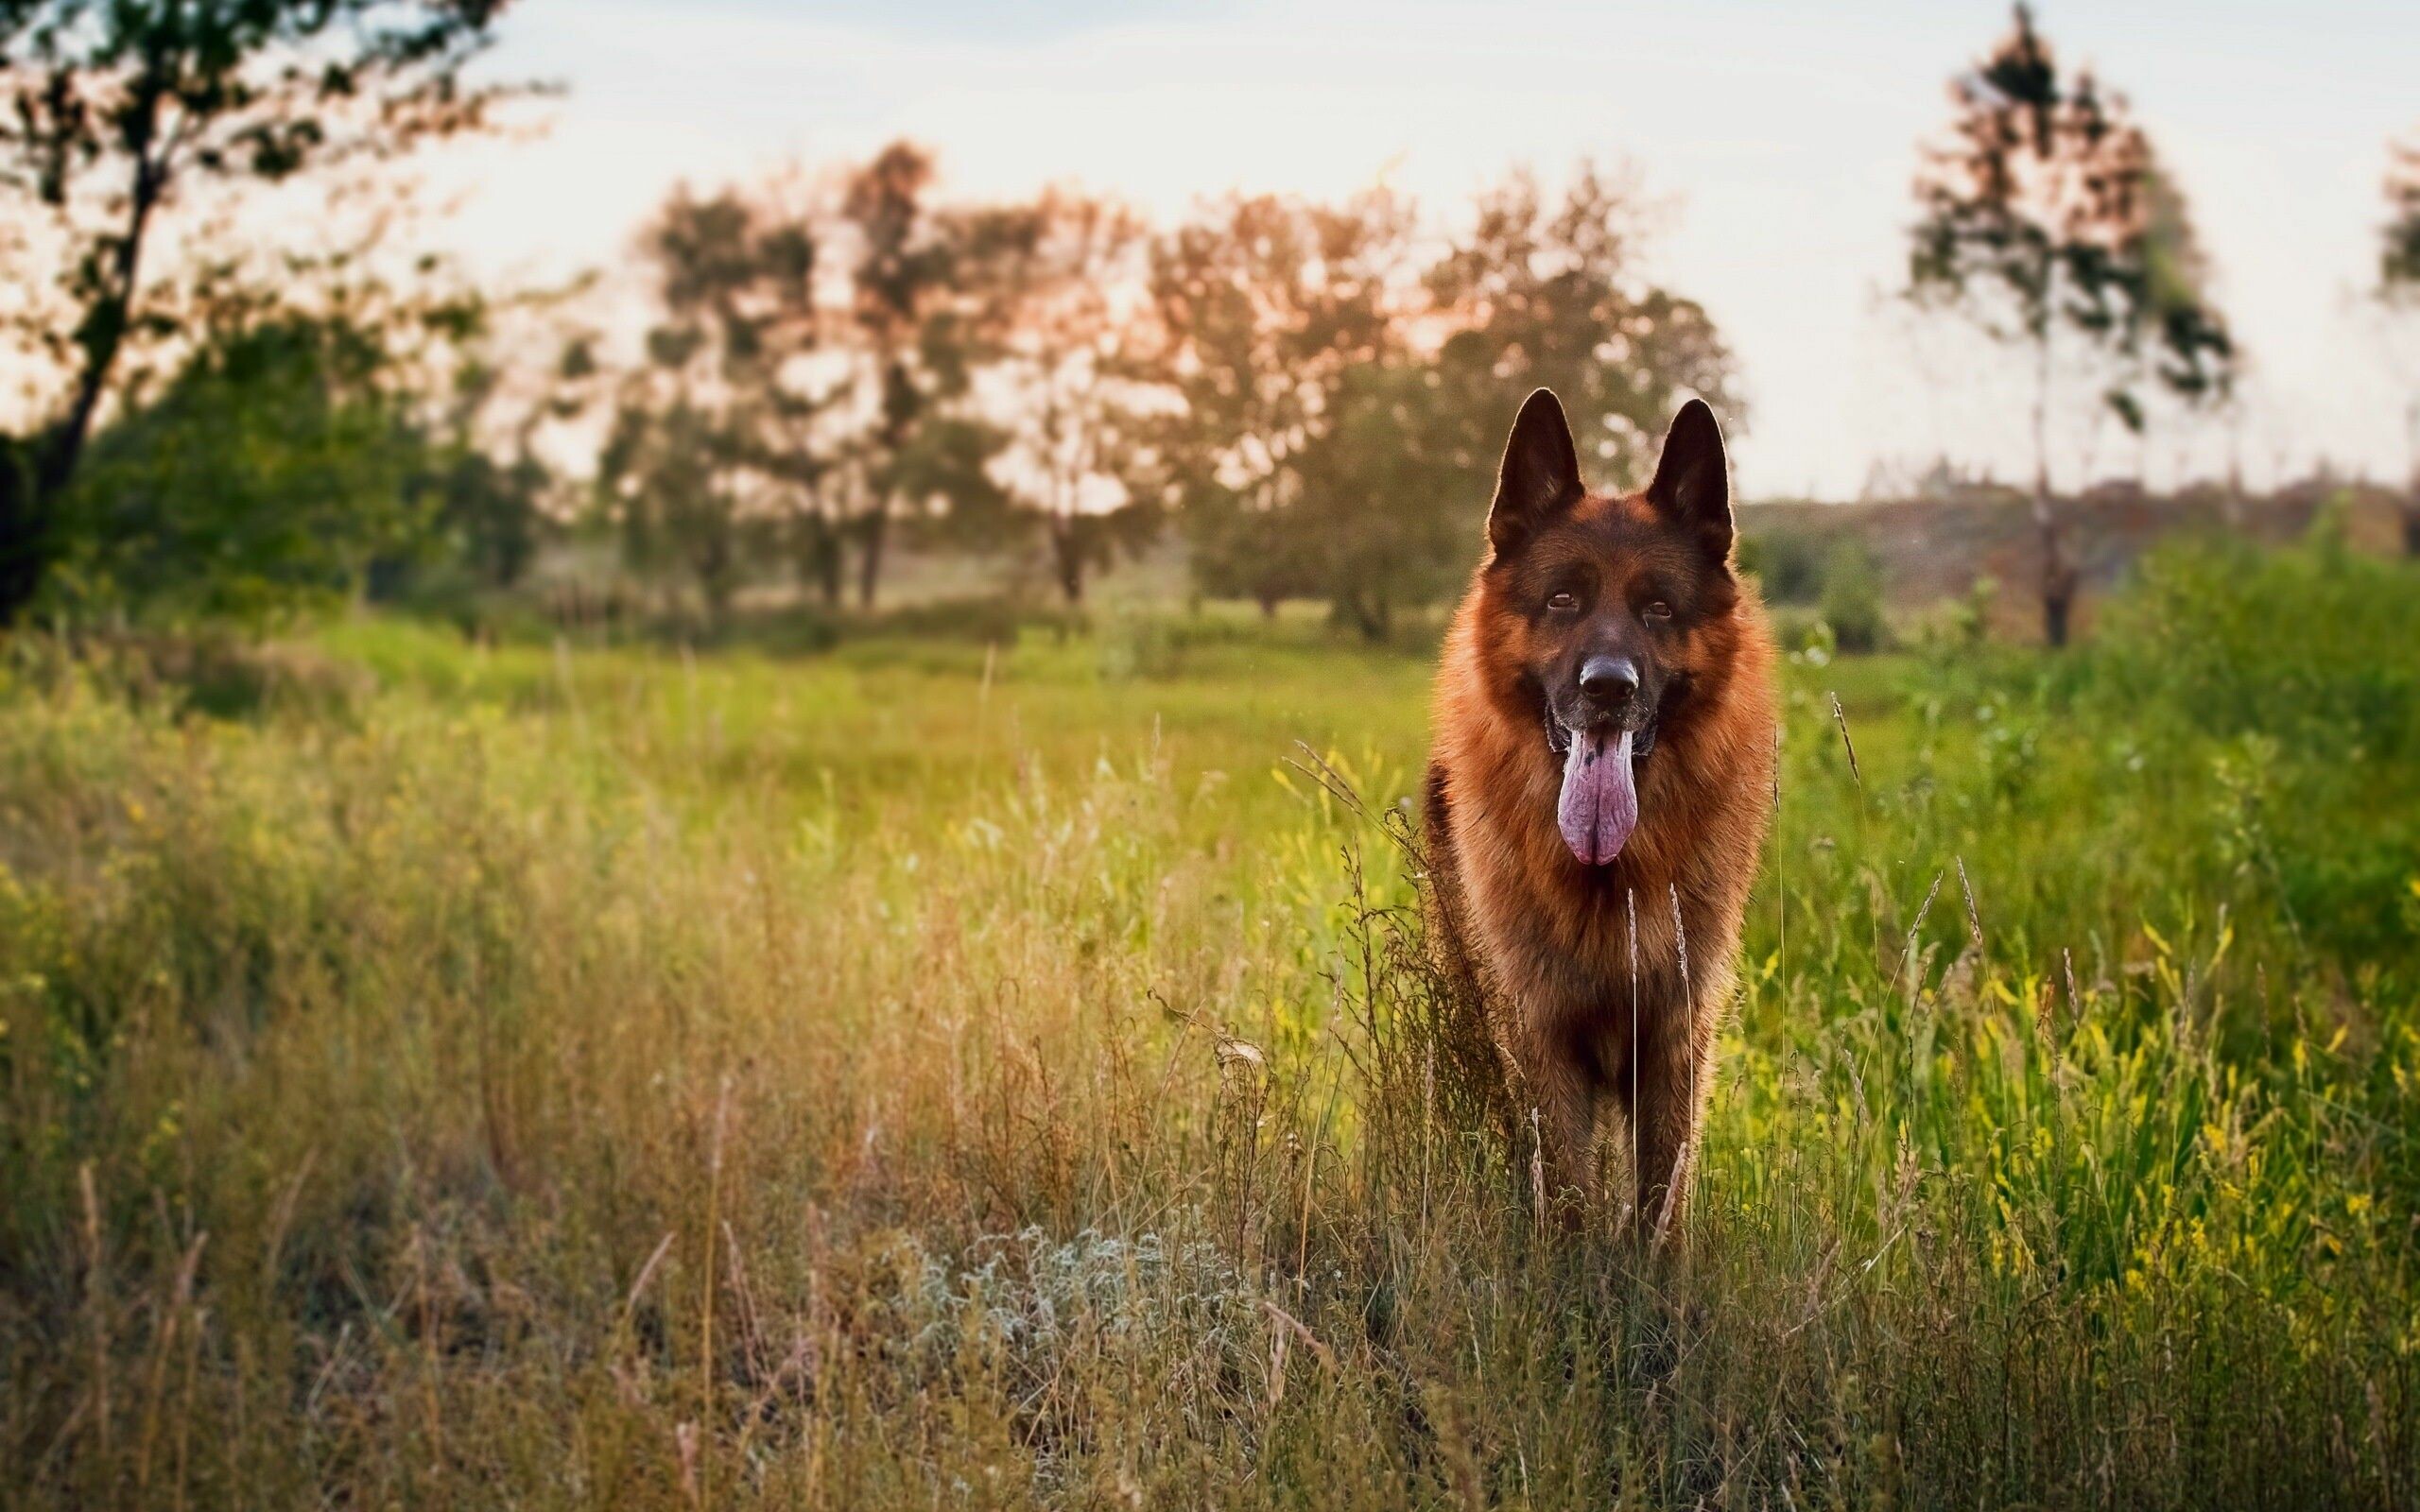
[1314,393]
[793,379]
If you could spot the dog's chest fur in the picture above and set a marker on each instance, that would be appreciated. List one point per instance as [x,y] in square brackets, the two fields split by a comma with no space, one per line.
[1553,939]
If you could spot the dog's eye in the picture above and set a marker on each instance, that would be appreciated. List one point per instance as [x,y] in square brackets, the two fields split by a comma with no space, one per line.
[1659,610]
[1563,603]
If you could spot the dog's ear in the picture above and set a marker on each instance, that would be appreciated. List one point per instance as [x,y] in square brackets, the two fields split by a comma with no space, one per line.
[1540,478]
[1692,487]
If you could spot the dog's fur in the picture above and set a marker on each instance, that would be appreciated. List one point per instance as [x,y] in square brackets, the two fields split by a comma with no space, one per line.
[1539,944]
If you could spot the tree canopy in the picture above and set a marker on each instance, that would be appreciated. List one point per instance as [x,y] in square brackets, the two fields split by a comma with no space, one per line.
[119,112]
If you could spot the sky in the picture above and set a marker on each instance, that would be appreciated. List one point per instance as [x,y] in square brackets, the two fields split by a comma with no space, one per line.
[1779,140]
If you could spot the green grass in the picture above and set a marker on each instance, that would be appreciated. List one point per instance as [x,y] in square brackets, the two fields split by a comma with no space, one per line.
[938,1077]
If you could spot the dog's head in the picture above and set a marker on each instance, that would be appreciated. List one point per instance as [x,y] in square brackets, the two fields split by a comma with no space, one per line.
[1606,612]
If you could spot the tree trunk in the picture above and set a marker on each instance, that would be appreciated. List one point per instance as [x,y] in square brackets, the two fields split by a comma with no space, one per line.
[717,584]
[2059,572]
[1367,615]
[2058,613]
[2411,491]
[102,335]
[2059,576]
[1067,557]
[21,532]
[877,532]
[1377,621]
[32,482]
[820,566]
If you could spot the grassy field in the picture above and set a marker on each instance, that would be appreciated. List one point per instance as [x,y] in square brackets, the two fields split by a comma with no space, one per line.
[940,1076]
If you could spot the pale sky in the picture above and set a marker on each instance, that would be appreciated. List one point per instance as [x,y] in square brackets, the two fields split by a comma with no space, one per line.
[1782,137]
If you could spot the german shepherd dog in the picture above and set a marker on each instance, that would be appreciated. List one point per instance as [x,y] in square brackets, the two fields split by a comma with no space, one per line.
[1597,796]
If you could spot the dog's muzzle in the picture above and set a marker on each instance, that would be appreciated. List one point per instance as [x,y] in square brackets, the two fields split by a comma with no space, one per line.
[1642,740]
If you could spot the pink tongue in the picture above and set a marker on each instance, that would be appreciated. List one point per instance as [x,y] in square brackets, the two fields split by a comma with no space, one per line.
[1599,803]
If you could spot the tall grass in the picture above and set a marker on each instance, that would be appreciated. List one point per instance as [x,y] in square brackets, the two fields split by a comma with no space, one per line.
[920,1077]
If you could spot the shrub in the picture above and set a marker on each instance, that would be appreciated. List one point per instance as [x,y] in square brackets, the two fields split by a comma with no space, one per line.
[1852,599]
[1788,564]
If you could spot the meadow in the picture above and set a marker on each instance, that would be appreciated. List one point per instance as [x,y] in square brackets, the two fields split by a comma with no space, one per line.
[949,1074]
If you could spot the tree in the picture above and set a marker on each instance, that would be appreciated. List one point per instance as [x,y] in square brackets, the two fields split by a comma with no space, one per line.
[1266,313]
[1547,293]
[910,319]
[1344,400]
[1055,281]
[270,472]
[2046,216]
[713,431]
[491,517]
[489,493]
[2399,292]
[670,475]
[1387,514]
[117,111]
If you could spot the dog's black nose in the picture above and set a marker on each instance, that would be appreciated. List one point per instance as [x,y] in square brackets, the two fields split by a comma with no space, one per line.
[1609,680]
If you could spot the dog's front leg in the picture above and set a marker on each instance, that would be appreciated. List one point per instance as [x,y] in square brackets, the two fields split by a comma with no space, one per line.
[1563,1114]
[1674,1072]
